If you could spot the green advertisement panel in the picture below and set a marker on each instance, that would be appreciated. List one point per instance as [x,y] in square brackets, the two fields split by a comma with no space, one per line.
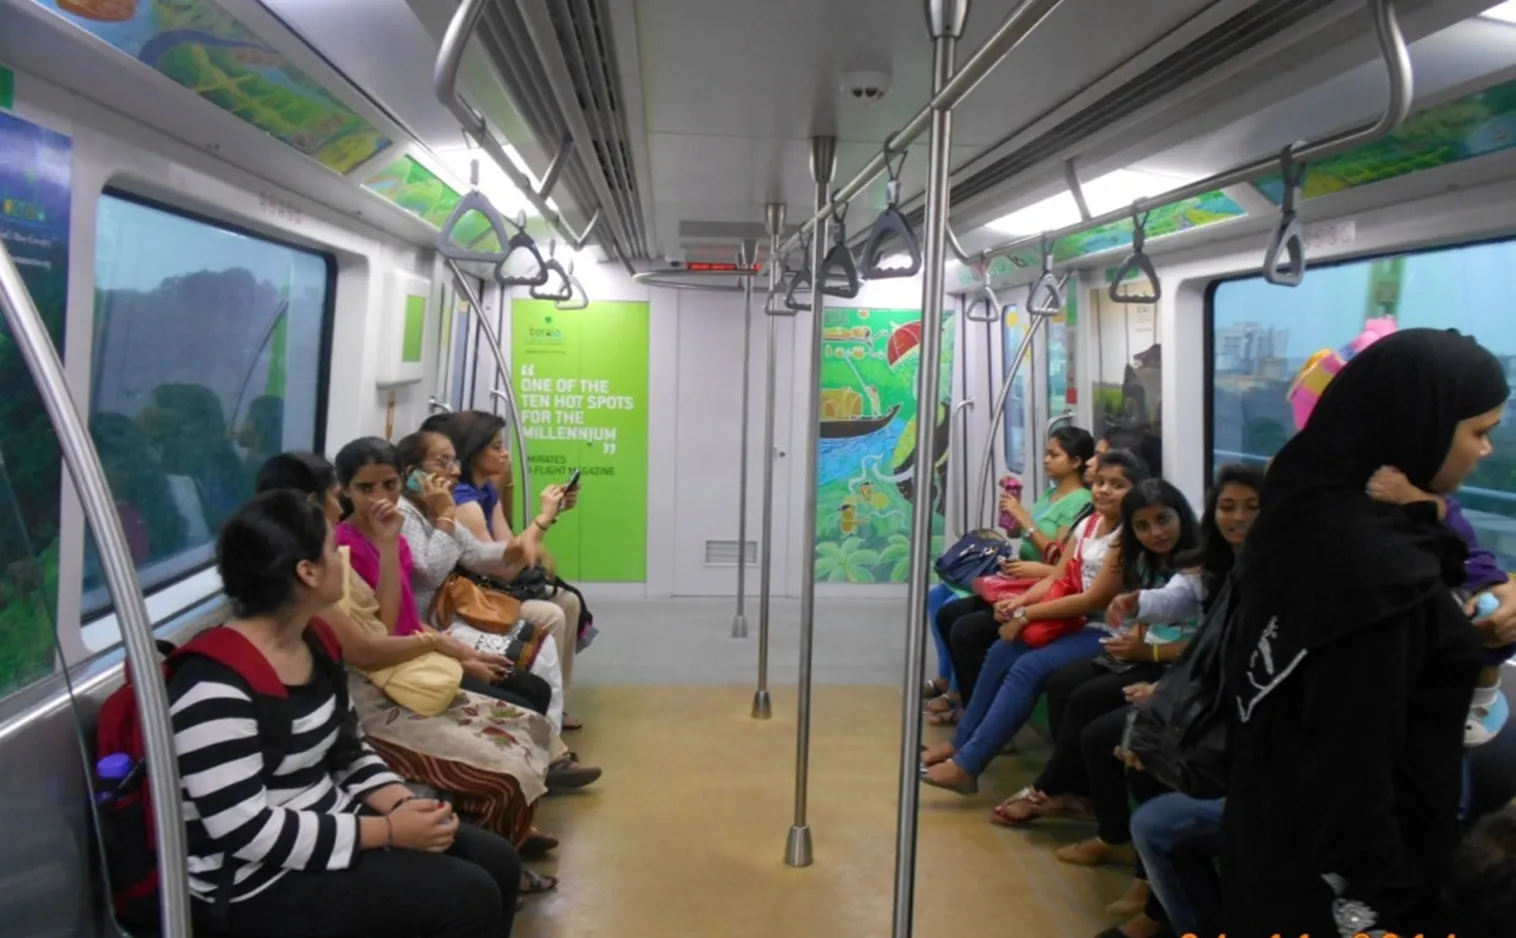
[581,383]
[418,190]
[867,446]
[200,46]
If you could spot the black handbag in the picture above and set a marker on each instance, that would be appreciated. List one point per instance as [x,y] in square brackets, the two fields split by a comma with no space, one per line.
[1180,734]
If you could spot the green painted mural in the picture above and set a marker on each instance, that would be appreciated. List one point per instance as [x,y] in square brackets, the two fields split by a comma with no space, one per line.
[421,192]
[202,47]
[1474,125]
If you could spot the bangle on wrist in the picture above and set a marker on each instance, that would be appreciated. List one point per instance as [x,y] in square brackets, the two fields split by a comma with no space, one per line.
[389,833]
[538,523]
[1155,654]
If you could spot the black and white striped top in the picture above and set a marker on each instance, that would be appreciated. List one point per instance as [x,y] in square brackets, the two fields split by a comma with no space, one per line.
[302,817]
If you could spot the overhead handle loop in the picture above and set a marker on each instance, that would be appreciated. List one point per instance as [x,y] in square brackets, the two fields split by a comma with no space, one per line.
[563,292]
[1288,240]
[986,306]
[1137,262]
[839,259]
[577,298]
[775,305]
[473,201]
[520,241]
[801,280]
[1046,296]
[890,223]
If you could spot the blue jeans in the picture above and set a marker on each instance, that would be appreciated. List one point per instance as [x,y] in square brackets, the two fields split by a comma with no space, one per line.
[937,597]
[1007,691]
[1179,839]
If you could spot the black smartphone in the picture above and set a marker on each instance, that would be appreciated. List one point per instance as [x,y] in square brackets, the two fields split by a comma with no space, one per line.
[573,483]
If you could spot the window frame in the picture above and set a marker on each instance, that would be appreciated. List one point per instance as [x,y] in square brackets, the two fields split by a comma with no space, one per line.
[1208,320]
[198,582]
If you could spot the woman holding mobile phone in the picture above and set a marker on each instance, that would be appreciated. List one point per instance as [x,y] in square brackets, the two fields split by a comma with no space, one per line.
[478,440]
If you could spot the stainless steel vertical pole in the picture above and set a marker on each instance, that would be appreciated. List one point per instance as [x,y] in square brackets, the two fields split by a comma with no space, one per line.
[945,20]
[798,848]
[773,218]
[746,258]
[29,333]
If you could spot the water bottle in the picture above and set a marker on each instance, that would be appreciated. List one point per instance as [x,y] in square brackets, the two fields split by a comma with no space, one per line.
[1012,487]
[1485,605]
[112,771]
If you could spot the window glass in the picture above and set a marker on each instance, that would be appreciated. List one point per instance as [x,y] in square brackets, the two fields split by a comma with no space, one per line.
[1128,383]
[1262,336]
[1018,408]
[207,360]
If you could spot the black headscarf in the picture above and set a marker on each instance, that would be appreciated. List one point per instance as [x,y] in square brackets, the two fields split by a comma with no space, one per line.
[1323,558]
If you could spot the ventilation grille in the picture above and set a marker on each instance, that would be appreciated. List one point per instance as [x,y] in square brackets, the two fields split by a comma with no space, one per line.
[724,553]
[589,55]
[1234,38]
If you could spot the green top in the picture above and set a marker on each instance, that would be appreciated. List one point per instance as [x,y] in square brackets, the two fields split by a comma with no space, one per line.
[1051,516]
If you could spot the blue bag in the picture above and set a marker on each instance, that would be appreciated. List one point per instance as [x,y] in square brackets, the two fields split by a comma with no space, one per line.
[977,553]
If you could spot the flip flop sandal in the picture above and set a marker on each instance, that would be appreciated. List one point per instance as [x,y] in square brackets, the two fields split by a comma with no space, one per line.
[1006,813]
[570,724]
[535,883]
[970,787]
[946,717]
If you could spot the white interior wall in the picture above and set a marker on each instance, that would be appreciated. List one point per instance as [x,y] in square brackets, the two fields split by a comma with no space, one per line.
[109,149]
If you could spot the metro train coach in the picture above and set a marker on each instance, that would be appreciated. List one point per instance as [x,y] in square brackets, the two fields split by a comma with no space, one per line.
[474,468]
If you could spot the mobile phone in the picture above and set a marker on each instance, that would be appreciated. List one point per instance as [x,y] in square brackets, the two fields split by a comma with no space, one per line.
[573,483]
[414,480]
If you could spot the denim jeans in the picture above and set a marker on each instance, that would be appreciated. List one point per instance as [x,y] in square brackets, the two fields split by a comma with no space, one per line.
[1179,839]
[1007,691]
[937,597]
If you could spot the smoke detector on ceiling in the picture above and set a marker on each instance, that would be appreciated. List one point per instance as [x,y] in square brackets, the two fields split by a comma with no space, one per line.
[866,86]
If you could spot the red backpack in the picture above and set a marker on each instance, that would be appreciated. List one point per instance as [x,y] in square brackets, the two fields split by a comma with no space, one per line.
[126,818]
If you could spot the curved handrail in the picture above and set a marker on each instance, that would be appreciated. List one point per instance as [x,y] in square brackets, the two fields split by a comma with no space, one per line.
[1288,237]
[1136,262]
[30,335]
[997,416]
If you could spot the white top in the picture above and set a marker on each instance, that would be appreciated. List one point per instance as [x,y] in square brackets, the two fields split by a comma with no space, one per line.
[435,553]
[1092,550]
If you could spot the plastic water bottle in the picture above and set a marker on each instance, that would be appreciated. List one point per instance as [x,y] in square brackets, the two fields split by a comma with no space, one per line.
[1012,487]
[1485,605]
[112,771]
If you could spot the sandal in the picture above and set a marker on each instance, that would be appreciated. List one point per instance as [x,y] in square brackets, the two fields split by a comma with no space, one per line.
[934,688]
[1096,852]
[965,787]
[948,717]
[1028,804]
[534,883]
[567,774]
[570,724]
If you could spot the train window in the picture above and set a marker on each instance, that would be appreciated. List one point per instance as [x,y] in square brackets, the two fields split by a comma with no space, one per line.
[1016,408]
[28,577]
[208,357]
[1060,359]
[1128,379]
[1261,336]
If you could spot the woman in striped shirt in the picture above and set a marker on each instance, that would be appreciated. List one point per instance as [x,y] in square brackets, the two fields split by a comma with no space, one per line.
[328,842]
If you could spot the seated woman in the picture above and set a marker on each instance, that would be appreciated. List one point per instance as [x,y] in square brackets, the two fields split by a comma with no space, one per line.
[478,438]
[492,759]
[1045,525]
[1157,523]
[1014,671]
[369,472]
[329,842]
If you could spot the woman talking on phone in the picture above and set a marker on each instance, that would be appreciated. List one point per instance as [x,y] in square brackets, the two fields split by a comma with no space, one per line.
[478,440]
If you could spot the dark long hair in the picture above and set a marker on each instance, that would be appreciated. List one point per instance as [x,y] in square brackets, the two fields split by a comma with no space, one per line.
[261,545]
[1214,556]
[1137,562]
[1077,443]
[365,451]
[306,473]
[472,431]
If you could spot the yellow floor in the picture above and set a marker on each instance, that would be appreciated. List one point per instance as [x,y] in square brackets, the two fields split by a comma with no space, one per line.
[685,833]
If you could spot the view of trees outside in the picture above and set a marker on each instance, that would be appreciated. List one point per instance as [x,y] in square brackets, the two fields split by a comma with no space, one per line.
[1263,335]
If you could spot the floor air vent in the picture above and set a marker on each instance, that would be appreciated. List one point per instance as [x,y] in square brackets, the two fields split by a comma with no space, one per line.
[724,553]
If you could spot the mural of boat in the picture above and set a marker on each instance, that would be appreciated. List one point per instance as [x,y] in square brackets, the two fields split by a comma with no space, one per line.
[841,428]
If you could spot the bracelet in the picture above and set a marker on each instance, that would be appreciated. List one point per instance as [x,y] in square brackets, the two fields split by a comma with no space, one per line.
[1155,655]
[389,832]
[539,524]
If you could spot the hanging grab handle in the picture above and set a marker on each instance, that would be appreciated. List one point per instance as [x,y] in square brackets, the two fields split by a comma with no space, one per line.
[561,293]
[985,307]
[800,281]
[839,258]
[1046,296]
[1137,263]
[577,297]
[891,221]
[472,201]
[521,241]
[1288,238]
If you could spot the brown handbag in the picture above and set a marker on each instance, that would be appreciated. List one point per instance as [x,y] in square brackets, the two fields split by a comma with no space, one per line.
[465,597]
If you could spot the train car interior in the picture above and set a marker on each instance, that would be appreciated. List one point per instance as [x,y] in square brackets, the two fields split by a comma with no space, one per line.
[766,310]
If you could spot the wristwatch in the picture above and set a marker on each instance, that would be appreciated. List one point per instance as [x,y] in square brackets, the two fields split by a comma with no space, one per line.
[1019,615]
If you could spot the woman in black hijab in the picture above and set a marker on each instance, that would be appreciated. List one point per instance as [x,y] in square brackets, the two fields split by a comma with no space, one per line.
[1351,666]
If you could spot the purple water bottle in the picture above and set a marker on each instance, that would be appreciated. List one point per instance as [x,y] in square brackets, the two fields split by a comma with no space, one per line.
[111,771]
[1010,486]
